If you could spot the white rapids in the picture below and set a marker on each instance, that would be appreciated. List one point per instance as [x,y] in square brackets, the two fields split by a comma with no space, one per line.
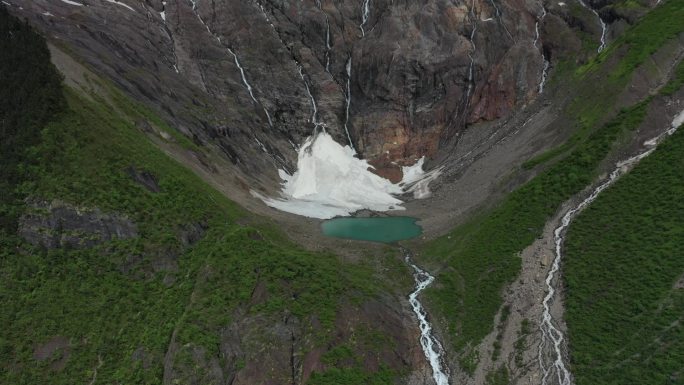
[432,349]
[551,335]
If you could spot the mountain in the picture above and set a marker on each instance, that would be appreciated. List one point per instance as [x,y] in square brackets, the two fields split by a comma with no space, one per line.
[145,144]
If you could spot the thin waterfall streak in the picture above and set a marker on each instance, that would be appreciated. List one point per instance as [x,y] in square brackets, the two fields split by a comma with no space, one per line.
[314,107]
[469,89]
[242,73]
[348,101]
[498,17]
[237,63]
[604,27]
[327,44]
[546,63]
[604,30]
[365,14]
[544,74]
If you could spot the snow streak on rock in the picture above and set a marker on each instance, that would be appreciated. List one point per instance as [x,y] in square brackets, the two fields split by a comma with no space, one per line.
[67,2]
[552,337]
[431,347]
[415,180]
[604,27]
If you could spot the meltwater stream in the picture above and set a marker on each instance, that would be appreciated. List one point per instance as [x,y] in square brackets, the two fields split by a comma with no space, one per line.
[551,335]
[604,27]
[433,350]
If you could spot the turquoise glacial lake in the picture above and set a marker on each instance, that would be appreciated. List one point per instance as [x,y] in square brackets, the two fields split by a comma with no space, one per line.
[384,229]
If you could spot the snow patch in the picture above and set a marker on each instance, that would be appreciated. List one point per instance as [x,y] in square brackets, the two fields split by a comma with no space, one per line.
[677,121]
[417,181]
[330,181]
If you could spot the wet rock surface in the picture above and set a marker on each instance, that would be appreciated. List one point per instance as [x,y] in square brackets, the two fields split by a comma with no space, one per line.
[228,72]
[57,224]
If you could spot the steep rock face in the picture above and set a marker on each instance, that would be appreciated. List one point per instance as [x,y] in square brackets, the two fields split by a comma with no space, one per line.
[282,349]
[57,224]
[245,75]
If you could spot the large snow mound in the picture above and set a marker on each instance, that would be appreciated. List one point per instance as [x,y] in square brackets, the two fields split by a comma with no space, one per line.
[330,181]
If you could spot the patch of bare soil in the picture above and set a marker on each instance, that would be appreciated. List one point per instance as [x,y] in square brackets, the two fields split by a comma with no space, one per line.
[56,350]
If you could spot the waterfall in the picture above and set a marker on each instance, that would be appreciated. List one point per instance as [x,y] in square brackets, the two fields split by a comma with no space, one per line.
[162,14]
[327,44]
[604,27]
[551,335]
[432,349]
[545,67]
[498,17]
[248,86]
[365,14]
[237,63]
[348,67]
[314,107]
[470,54]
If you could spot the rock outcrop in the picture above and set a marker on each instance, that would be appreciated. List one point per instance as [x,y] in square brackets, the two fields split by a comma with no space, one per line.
[254,77]
[57,224]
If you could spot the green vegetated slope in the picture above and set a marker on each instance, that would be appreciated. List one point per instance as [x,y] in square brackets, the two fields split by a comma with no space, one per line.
[481,255]
[125,295]
[633,48]
[30,94]
[623,259]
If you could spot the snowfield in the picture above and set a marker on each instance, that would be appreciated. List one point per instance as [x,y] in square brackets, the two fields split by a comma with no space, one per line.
[330,181]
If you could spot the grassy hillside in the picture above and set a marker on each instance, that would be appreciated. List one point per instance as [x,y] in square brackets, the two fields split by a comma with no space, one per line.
[480,257]
[623,259]
[125,296]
